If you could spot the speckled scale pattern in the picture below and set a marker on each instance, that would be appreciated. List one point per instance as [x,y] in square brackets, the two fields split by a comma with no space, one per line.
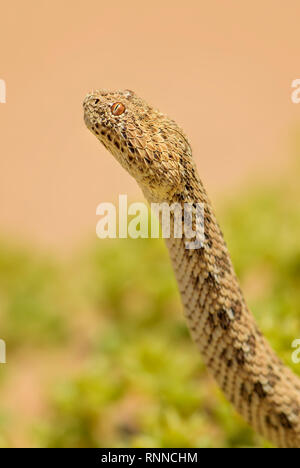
[156,152]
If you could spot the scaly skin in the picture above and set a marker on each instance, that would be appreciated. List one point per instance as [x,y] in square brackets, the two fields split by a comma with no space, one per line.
[155,151]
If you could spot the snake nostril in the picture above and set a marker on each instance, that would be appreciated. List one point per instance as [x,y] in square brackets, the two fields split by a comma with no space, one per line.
[90,99]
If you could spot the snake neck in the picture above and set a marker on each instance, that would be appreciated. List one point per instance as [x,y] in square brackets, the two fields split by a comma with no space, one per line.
[262,389]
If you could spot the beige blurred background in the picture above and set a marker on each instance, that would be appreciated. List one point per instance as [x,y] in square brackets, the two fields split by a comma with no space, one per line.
[223,70]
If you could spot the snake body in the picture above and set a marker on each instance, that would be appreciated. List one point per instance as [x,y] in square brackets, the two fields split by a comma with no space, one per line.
[156,152]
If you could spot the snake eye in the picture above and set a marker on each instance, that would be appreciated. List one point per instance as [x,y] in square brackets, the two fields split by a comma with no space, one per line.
[117,108]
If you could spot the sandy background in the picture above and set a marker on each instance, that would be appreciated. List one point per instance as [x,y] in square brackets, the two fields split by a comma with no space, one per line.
[223,70]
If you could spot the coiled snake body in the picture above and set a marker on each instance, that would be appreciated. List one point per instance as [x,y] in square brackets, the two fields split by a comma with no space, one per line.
[155,151]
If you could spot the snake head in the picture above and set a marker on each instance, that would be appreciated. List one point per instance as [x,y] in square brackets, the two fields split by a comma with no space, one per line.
[146,142]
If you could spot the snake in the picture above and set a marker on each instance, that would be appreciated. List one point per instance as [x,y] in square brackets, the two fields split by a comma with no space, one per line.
[153,149]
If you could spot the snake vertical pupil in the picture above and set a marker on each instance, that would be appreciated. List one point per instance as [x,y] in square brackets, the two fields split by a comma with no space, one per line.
[117,108]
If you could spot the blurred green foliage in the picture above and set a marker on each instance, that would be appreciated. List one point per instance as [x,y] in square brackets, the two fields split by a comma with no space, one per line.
[138,379]
[30,303]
